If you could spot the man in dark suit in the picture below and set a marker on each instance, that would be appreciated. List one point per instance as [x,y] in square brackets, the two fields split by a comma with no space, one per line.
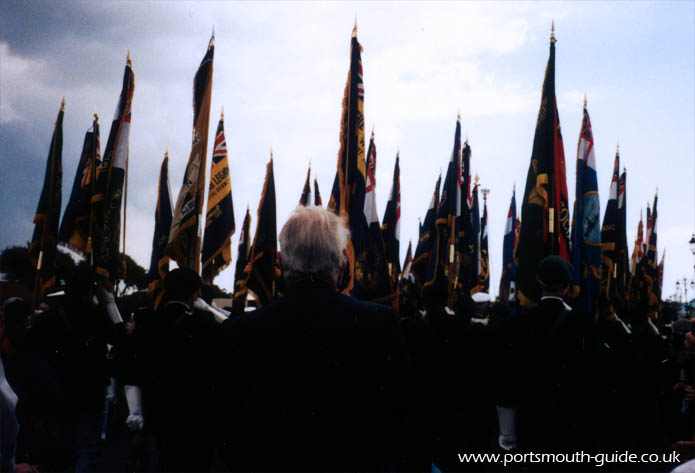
[317,380]
[181,355]
[555,354]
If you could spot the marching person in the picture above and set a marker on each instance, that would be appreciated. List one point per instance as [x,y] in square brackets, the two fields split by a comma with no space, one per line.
[553,353]
[317,380]
[182,348]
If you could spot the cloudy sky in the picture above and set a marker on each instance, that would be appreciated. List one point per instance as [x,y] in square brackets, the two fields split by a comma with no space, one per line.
[280,71]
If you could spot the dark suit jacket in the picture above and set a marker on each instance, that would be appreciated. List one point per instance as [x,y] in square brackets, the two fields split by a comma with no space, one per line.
[316,381]
[557,390]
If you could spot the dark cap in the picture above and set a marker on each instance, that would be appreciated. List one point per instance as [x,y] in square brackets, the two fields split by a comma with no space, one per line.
[181,283]
[554,272]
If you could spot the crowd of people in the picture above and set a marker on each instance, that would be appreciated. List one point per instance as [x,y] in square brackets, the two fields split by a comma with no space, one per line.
[319,381]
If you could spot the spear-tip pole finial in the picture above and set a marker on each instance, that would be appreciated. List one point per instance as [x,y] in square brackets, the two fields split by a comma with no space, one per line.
[62,104]
[211,43]
[354,28]
[222,114]
[485,193]
[372,132]
[617,148]
[166,152]
[476,179]
[458,115]
[552,32]
[584,99]
[247,207]
[514,187]
[398,153]
[213,30]
[656,194]
[96,115]
[271,153]
[466,141]
[127,58]
[624,169]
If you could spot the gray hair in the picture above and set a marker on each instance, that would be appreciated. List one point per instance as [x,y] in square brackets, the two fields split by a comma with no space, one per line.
[312,243]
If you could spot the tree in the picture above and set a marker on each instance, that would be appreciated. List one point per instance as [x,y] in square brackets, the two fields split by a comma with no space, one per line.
[14,262]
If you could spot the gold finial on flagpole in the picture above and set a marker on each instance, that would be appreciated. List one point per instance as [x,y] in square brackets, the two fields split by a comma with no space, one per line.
[127,59]
[476,179]
[213,31]
[485,193]
[398,153]
[458,115]
[624,169]
[62,104]
[372,131]
[271,153]
[584,99]
[354,28]
[514,187]
[552,32]
[222,114]
[166,152]
[657,191]
[96,115]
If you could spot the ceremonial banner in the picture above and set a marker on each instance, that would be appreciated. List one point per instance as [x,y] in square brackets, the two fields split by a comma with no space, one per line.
[334,199]
[621,274]
[468,237]
[184,237]
[391,225]
[351,168]
[42,249]
[442,268]
[75,228]
[159,262]
[427,241]
[660,274]
[545,219]
[240,275]
[371,279]
[108,196]
[472,257]
[317,194]
[219,218]
[634,276]
[305,198]
[608,237]
[586,230]
[262,269]
[484,262]
[507,292]
[406,282]
[650,279]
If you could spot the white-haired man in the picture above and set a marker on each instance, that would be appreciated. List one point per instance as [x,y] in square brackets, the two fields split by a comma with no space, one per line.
[317,380]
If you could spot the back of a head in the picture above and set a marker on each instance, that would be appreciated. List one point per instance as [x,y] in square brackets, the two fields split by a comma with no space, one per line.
[313,241]
[181,283]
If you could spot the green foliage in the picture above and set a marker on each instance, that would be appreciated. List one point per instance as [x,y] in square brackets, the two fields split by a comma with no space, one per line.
[14,262]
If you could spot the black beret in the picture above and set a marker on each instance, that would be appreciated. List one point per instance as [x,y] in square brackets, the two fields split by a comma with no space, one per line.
[182,283]
[554,271]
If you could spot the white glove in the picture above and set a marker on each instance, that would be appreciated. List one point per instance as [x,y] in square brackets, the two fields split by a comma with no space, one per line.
[219,314]
[109,301]
[506,419]
[135,421]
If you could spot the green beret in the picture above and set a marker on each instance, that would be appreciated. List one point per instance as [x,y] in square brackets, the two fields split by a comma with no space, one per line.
[554,271]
